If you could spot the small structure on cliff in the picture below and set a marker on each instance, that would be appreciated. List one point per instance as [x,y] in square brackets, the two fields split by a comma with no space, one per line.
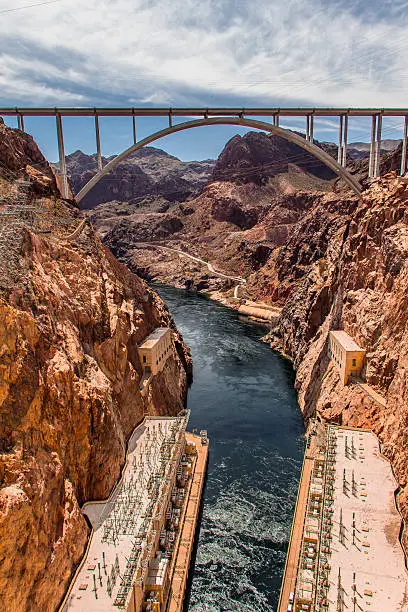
[155,350]
[346,354]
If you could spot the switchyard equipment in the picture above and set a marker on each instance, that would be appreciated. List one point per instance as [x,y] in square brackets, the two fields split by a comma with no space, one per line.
[123,555]
[344,552]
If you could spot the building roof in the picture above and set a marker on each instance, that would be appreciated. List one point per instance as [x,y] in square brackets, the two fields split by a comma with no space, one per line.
[154,337]
[346,341]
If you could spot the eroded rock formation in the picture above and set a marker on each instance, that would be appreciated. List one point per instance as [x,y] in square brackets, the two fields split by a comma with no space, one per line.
[330,259]
[150,178]
[356,279]
[71,318]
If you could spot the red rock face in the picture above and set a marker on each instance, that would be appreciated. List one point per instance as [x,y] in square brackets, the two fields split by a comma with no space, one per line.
[260,187]
[71,318]
[255,157]
[357,282]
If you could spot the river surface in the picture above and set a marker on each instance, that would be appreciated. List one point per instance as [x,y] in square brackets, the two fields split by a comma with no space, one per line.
[243,395]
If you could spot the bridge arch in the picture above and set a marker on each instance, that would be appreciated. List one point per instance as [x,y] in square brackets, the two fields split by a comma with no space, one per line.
[324,157]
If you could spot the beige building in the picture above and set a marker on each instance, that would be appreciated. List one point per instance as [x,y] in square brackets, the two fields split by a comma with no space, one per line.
[346,354]
[155,350]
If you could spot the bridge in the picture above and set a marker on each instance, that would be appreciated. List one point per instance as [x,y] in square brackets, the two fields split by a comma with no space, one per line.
[265,119]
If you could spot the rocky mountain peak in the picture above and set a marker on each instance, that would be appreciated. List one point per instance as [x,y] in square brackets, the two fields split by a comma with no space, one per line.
[146,174]
[257,156]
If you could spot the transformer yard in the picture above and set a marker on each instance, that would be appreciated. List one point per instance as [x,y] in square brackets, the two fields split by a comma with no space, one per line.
[344,553]
[139,551]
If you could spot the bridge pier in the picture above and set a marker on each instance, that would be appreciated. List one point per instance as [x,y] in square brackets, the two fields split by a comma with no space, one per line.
[372,147]
[61,151]
[20,122]
[98,143]
[377,158]
[404,147]
[134,129]
[340,147]
[345,135]
[309,127]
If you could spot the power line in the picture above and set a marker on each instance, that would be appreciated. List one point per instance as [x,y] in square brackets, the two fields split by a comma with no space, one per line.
[20,8]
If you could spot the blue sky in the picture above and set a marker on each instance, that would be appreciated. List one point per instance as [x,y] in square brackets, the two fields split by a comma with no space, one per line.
[200,53]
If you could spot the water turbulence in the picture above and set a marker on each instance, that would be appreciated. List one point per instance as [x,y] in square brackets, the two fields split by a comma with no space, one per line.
[243,395]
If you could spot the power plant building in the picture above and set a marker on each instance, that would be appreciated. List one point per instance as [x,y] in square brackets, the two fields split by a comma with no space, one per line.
[155,350]
[346,354]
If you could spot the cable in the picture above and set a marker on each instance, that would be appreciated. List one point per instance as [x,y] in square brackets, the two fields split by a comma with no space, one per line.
[21,8]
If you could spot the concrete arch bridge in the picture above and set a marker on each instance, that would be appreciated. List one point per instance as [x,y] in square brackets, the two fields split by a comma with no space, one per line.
[239,117]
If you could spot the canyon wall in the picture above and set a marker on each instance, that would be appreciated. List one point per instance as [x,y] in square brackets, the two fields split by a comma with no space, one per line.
[71,318]
[351,274]
[305,243]
[260,188]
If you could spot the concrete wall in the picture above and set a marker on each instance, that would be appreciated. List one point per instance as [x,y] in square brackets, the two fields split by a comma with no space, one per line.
[154,357]
[347,362]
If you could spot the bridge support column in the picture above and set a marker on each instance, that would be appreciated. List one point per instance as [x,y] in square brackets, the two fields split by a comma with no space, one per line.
[307,128]
[61,151]
[404,147]
[98,144]
[377,158]
[311,127]
[20,122]
[340,147]
[345,134]
[170,120]
[134,129]
[372,147]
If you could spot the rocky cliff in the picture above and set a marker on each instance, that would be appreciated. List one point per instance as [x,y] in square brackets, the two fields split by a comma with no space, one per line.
[71,318]
[261,187]
[350,272]
[150,178]
[262,191]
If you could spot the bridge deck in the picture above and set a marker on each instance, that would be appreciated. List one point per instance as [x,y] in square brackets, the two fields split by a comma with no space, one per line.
[199,112]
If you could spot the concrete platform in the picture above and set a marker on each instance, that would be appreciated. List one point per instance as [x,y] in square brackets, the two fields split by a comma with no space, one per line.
[180,567]
[124,527]
[345,554]
[367,569]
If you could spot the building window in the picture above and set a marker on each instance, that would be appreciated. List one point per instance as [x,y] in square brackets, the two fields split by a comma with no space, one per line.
[144,358]
[354,363]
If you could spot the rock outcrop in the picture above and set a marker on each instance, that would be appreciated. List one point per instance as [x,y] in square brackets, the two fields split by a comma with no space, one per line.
[71,318]
[149,178]
[351,272]
[261,187]
[256,157]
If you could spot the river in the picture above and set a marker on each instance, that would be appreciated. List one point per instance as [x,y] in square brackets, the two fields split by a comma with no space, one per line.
[243,395]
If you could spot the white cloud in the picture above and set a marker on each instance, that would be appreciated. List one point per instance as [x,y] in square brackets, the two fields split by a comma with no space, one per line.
[191,52]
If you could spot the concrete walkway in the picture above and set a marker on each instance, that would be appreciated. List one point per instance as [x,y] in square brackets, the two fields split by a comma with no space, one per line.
[180,567]
[296,536]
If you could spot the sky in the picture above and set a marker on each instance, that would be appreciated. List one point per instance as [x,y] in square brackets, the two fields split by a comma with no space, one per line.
[177,53]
